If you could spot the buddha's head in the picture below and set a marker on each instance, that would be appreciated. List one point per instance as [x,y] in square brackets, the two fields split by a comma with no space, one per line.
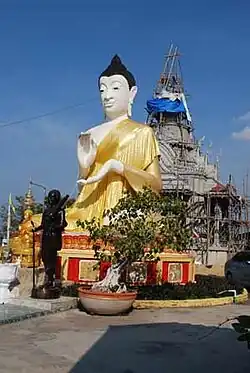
[118,89]
[28,214]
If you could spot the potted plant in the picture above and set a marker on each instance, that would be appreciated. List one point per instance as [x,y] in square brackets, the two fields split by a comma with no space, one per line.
[140,227]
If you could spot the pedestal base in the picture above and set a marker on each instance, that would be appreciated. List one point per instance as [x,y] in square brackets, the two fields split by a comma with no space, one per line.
[42,292]
[76,260]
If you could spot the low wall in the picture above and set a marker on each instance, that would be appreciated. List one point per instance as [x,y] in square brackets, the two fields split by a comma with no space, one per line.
[214,256]
[215,270]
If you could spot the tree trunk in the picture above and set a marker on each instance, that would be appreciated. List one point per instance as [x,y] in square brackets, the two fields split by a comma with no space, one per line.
[111,281]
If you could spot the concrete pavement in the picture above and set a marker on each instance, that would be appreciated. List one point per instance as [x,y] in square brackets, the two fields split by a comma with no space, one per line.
[143,342]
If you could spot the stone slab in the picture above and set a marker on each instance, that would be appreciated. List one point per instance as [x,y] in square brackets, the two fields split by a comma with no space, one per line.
[12,313]
[18,309]
[52,305]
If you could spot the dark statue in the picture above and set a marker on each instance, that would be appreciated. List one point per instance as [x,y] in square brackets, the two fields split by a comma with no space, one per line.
[52,225]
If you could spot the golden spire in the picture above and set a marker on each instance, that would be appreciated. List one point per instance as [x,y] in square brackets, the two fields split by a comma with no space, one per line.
[29,199]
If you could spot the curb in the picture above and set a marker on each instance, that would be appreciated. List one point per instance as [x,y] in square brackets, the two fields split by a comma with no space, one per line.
[191,303]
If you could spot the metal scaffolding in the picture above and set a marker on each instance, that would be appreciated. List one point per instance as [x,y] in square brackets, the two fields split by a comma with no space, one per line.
[217,213]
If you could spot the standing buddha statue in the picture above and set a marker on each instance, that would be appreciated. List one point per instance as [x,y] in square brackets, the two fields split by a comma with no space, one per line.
[117,156]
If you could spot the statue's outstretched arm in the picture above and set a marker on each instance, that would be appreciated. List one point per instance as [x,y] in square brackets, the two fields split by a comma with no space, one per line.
[137,178]
[149,177]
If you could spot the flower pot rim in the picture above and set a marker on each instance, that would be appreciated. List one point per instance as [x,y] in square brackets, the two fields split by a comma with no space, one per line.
[89,292]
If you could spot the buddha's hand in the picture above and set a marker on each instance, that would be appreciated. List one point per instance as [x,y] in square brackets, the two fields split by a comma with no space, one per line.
[86,150]
[110,165]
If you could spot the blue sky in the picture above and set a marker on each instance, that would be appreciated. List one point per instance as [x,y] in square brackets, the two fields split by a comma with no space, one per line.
[52,52]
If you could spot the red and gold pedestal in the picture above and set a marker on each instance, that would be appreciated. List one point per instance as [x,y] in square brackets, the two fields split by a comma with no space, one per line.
[76,261]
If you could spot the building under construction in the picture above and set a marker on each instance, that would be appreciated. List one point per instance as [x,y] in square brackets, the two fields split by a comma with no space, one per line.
[217,213]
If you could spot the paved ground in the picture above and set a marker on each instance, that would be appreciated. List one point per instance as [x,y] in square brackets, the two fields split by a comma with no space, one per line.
[12,312]
[143,342]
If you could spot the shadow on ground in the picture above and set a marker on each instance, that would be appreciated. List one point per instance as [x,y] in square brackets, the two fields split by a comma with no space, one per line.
[159,348]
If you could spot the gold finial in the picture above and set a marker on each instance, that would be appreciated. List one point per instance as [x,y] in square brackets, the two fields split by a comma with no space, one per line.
[29,199]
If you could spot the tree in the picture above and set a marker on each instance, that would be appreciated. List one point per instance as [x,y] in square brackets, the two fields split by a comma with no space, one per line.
[17,217]
[140,227]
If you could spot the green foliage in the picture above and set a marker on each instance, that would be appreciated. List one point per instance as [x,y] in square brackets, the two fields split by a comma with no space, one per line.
[203,287]
[143,220]
[243,328]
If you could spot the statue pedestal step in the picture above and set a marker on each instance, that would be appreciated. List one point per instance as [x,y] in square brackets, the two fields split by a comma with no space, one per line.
[45,305]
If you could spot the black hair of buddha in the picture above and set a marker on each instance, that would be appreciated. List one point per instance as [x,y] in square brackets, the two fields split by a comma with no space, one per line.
[116,67]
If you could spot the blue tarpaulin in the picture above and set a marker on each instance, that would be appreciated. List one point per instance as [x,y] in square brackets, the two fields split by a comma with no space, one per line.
[165,105]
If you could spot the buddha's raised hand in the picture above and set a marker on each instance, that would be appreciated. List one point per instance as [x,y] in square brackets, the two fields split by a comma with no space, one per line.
[86,150]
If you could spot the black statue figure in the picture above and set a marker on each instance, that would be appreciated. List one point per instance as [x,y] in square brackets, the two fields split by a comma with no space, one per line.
[52,225]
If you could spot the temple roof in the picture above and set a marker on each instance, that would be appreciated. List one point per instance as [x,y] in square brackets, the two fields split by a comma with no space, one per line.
[228,189]
[218,188]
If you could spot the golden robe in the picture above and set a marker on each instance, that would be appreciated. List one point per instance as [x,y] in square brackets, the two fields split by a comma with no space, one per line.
[133,144]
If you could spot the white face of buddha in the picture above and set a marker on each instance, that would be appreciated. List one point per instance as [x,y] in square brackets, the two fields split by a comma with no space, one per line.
[116,96]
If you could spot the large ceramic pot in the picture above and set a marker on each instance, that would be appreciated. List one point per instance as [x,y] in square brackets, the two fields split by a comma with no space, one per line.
[101,303]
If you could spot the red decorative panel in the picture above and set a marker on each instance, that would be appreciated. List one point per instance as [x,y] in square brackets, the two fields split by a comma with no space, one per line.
[175,272]
[103,269]
[151,273]
[76,241]
[73,269]
[185,272]
[83,242]
[58,267]
[164,274]
[67,241]
[80,270]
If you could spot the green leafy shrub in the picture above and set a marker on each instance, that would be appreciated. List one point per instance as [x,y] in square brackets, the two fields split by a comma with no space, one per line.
[204,287]
[143,220]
